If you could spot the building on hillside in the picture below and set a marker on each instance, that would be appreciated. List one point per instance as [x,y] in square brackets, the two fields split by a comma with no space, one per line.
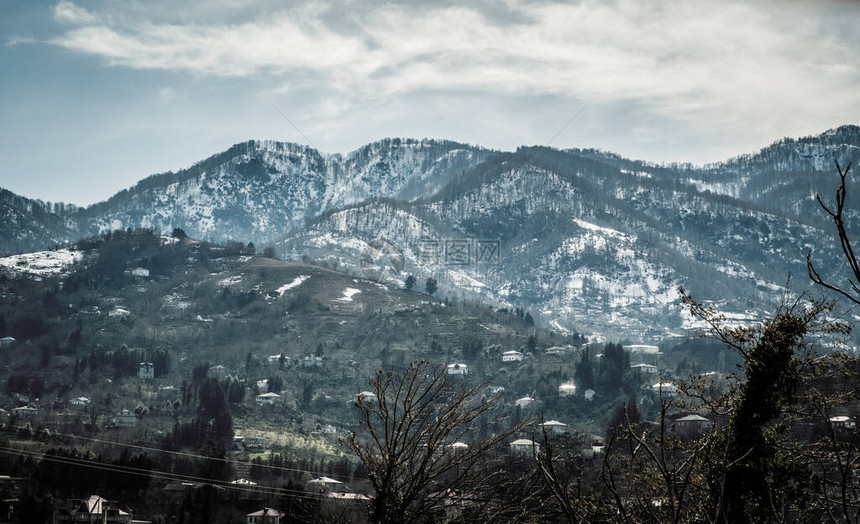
[146,371]
[140,272]
[843,423]
[554,427]
[665,389]
[241,482]
[321,484]
[495,390]
[79,402]
[367,396]
[10,491]
[593,450]
[255,442]
[7,342]
[264,516]
[557,351]
[642,348]
[457,447]
[119,312]
[566,390]
[269,399]
[645,369]
[327,429]
[312,361]
[276,359]
[457,369]
[524,447]
[692,425]
[25,411]
[512,356]
[94,509]
[218,372]
[525,402]
[167,393]
[125,419]
[348,497]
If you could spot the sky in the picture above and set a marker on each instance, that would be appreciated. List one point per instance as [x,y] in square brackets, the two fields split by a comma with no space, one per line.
[96,95]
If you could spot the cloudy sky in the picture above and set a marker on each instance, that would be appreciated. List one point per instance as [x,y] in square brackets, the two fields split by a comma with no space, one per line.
[96,95]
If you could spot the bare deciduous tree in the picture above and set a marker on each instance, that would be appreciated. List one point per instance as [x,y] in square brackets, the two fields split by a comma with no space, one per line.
[837,216]
[405,440]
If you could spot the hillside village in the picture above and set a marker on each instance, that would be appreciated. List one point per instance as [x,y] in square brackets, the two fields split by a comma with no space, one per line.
[145,343]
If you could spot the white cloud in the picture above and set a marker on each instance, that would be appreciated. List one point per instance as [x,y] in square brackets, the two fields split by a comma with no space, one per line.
[68,13]
[730,64]
[18,40]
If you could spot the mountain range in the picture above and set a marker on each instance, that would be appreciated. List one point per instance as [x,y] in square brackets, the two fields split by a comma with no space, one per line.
[587,240]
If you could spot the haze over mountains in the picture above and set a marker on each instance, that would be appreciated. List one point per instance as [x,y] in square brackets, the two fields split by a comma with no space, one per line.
[587,240]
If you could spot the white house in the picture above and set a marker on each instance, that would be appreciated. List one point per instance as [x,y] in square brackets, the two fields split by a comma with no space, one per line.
[218,372]
[264,516]
[665,388]
[312,361]
[554,427]
[243,482]
[843,423]
[140,272]
[524,446]
[125,419]
[79,402]
[645,369]
[642,348]
[512,356]
[146,371]
[92,509]
[692,425]
[268,399]
[457,369]
[457,446]
[566,390]
[558,350]
[119,312]
[495,390]
[524,402]
[6,342]
[328,429]
[324,484]
[276,359]
[367,396]
[25,411]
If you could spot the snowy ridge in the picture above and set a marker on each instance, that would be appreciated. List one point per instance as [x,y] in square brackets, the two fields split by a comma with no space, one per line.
[588,241]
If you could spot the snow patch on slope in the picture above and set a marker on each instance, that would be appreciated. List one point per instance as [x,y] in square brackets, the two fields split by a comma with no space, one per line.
[295,283]
[41,263]
[348,293]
